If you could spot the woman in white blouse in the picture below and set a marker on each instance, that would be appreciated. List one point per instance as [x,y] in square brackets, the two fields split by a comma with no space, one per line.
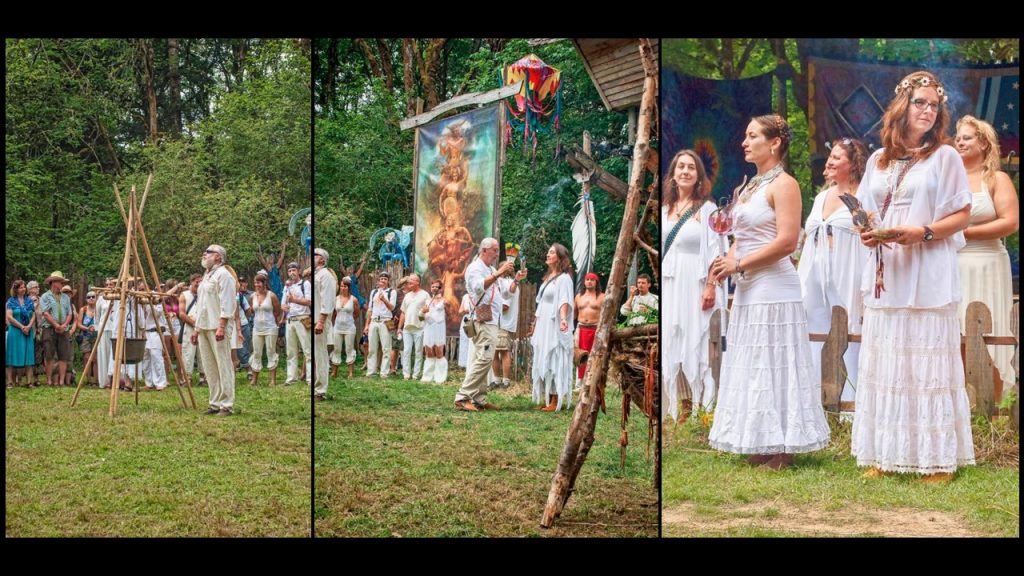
[912,411]
[833,258]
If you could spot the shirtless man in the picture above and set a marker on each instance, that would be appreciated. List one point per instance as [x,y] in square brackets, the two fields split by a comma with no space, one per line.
[588,312]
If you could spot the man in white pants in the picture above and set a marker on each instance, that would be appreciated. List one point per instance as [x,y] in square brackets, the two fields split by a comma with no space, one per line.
[215,308]
[484,289]
[326,290]
[297,300]
[153,371]
[382,303]
[410,325]
[187,313]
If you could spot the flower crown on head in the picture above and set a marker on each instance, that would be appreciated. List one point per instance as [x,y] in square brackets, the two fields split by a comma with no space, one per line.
[921,82]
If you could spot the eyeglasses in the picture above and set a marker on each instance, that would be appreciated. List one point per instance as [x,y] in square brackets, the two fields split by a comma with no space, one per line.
[90,297]
[922,104]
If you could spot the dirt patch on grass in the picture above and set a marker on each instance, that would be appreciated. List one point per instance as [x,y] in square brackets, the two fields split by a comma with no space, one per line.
[810,521]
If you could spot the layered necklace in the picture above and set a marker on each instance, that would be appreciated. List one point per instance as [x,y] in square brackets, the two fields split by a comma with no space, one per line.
[758,181]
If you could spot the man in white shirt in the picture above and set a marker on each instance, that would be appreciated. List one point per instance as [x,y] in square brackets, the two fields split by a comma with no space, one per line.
[382,303]
[508,323]
[297,300]
[326,290]
[410,325]
[640,301]
[482,285]
[215,308]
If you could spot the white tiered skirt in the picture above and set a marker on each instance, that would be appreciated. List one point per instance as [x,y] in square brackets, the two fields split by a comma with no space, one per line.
[769,400]
[913,415]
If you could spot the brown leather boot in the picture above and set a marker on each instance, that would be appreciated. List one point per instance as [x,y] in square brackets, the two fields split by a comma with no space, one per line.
[552,404]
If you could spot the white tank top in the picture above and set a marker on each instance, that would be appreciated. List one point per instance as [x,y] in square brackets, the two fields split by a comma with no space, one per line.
[264,322]
[344,323]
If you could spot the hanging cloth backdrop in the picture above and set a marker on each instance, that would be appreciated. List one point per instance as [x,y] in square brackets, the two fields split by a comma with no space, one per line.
[848,99]
[710,116]
[540,98]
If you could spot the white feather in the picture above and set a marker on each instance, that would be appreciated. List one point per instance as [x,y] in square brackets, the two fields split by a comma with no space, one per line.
[584,239]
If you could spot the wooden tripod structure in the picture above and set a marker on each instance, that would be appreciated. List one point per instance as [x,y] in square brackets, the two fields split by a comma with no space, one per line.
[133,270]
[580,436]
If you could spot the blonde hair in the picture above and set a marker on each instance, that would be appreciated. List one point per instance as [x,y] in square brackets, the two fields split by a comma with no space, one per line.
[990,163]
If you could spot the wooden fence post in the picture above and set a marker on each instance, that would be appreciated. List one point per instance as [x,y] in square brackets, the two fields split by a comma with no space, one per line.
[978,363]
[833,373]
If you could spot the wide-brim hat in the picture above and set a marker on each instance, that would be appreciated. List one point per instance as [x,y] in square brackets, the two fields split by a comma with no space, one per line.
[57,275]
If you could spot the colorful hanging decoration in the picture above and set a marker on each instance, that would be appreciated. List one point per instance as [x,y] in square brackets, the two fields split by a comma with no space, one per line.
[539,98]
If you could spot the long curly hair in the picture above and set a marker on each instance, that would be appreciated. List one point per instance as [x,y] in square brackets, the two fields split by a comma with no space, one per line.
[990,164]
[895,122]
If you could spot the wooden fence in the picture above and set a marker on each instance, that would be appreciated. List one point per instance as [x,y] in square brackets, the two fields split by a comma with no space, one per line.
[979,368]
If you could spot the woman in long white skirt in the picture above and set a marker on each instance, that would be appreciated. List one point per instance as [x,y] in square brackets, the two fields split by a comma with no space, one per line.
[551,333]
[912,414]
[769,400]
[435,363]
[833,258]
[984,262]
[689,247]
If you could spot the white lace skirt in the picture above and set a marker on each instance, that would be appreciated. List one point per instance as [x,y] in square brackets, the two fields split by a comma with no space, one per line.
[769,399]
[913,415]
[434,334]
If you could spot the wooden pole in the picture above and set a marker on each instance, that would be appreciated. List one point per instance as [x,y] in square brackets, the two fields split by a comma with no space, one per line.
[92,356]
[979,364]
[580,435]
[167,317]
[119,346]
[833,374]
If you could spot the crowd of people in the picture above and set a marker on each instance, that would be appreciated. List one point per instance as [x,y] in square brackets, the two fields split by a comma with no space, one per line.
[903,238]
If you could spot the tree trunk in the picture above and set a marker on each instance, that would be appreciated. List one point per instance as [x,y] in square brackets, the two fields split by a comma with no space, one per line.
[728,53]
[580,436]
[371,59]
[174,77]
[146,47]
[386,65]
[430,71]
[407,76]
[328,92]
[239,52]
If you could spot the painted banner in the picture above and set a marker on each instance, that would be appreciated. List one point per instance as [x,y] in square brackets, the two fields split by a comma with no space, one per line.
[456,195]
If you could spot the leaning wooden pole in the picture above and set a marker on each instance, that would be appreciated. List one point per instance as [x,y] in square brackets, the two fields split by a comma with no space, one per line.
[580,436]
[122,305]
[92,357]
[167,317]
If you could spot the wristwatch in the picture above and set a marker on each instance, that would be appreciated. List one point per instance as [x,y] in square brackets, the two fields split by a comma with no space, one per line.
[928,234]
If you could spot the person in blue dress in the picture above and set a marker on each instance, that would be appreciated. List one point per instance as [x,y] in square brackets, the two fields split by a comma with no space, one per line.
[21,334]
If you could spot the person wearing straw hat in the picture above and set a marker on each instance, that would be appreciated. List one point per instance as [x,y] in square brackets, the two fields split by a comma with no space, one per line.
[326,287]
[55,307]
[216,307]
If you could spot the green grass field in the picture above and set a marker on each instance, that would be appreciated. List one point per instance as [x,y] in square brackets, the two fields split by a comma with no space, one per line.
[708,493]
[158,469]
[394,458]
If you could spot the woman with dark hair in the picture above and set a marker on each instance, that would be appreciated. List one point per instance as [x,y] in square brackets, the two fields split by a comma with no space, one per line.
[689,246]
[21,335]
[833,258]
[912,414]
[435,363]
[346,309]
[769,399]
[551,333]
[995,214]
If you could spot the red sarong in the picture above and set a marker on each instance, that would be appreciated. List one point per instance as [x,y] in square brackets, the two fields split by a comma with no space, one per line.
[587,334]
